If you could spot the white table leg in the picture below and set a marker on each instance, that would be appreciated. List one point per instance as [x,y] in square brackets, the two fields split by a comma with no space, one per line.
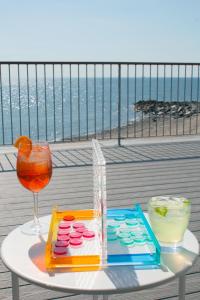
[15,286]
[182,287]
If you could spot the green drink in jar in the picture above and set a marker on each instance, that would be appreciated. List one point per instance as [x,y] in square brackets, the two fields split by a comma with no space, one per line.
[169,218]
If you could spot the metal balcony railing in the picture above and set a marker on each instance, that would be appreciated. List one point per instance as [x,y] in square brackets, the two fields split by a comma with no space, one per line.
[73,101]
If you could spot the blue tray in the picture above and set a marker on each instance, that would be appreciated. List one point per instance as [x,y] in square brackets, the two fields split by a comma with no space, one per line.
[130,239]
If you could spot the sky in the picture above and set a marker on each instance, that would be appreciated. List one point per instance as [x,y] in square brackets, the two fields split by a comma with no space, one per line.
[100,30]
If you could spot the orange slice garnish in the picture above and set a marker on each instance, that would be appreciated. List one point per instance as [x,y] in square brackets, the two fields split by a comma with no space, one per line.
[24,144]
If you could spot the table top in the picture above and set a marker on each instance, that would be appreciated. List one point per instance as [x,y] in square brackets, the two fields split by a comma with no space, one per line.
[24,255]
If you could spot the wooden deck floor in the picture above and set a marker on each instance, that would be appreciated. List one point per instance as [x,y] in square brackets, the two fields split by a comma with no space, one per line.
[134,174]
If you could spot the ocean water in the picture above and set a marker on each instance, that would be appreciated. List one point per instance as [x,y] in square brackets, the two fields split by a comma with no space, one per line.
[58,110]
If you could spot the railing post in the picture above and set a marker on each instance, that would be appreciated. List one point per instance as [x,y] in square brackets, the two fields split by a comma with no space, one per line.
[119,104]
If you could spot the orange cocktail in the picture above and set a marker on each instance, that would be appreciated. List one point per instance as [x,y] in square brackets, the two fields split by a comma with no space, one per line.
[34,170]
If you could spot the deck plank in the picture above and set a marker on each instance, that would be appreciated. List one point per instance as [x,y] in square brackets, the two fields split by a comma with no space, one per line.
[134,174]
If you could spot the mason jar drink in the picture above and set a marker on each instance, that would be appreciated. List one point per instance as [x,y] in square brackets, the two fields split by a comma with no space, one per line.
[169,218]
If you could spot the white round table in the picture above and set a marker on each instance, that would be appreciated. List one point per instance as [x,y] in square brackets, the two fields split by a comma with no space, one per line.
[24,256]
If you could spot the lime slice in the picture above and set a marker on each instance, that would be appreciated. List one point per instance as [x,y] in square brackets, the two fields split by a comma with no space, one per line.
[186,202]
[162,210]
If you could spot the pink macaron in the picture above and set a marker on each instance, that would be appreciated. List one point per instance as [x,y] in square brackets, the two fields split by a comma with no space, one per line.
[64,225]
[88,234]
[60,251]
[81,229]
[78,225]
[75,242]
[61,243]
[75,235]
[63,231]
[63,237]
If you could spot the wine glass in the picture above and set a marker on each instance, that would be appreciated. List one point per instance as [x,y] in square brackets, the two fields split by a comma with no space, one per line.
[34,170]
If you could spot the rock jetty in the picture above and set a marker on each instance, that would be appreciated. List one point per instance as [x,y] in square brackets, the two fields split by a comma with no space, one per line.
[174,109]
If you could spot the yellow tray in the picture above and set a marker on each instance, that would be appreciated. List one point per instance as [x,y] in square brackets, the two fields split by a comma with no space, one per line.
[83,260]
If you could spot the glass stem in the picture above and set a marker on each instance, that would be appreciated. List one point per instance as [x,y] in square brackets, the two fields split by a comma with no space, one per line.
[35,210]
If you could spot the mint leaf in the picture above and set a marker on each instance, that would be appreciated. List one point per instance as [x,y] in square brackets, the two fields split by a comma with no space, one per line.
[162,210]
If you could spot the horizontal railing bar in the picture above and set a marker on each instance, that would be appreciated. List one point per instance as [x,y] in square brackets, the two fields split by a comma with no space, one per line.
[96,62]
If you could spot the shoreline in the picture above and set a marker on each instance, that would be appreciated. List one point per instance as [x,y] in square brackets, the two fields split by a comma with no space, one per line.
[148,127]
[145,127]
[135,130]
